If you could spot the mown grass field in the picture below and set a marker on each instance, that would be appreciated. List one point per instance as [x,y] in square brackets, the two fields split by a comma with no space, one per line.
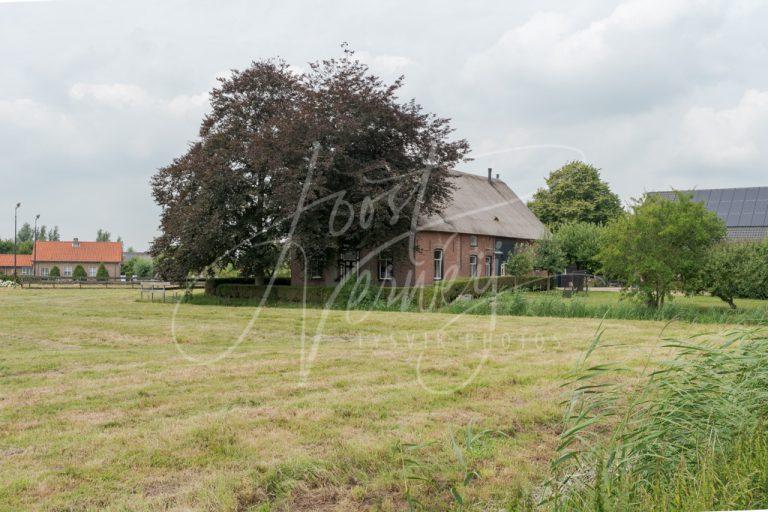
[103,408]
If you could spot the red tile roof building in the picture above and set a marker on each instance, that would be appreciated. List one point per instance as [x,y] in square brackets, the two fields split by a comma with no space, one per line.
[80,252]
[23,264]
[66,256]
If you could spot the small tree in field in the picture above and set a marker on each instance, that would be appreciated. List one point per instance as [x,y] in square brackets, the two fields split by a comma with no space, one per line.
[580,243]
[79,274]
[549,255]
[727,271]
[101,273]
[661,245]
[520,264]
[54,272]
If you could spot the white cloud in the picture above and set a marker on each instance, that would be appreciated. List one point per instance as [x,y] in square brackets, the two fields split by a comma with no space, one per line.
[113,95]
[644,52]
[187,103]
[729,136]
[385,64]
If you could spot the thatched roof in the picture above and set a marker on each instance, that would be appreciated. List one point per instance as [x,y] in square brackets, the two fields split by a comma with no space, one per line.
[485,207]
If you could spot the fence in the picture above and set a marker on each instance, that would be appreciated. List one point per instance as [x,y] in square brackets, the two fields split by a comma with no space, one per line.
[113,282]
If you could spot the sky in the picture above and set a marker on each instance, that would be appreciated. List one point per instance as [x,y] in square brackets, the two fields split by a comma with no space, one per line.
[95,96]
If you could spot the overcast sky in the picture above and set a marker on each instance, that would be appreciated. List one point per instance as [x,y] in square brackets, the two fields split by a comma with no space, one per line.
[95,96]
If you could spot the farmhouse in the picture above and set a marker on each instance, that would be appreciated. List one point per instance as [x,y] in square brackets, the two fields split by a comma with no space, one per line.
[744,210]
[67,255]
[472,237]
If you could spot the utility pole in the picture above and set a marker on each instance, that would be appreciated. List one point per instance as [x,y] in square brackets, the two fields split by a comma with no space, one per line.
[36,217]
[15,226]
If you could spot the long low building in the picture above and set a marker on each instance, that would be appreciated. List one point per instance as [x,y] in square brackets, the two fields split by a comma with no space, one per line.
[744,210]
[66,256]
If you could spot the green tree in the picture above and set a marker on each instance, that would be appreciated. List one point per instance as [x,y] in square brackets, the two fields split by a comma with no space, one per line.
[53,235]
[42,233]
[575,193]
[103,235]
[101,273]
[549,255]
[580,243]
[520,263]
[25,233]
[78,274]
[243,178]
[661,245]
[54,272]
[727,270]
[144,269]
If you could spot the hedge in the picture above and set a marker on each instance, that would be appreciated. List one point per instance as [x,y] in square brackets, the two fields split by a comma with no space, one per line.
[214,282]
[356,293]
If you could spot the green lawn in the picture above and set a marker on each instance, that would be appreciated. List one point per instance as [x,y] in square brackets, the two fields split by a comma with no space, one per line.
[102,408]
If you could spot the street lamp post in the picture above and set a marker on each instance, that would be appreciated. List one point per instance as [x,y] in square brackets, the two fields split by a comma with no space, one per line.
[15,226]
[36,218]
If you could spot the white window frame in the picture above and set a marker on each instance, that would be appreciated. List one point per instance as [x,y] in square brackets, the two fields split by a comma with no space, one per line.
[489,266]
[44,271]
[26,271]
[473,240]
[92,271]
[438,257]
[473,265]
[386,268]
[67,272]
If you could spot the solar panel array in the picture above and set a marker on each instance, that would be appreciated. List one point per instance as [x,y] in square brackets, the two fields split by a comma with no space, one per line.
[738,207]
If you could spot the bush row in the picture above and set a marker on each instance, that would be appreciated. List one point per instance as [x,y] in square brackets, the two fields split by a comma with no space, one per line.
[213,283]
[362,294]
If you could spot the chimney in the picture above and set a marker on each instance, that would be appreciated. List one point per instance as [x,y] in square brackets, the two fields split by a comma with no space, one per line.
[497,176]
[75,242]
[490,171]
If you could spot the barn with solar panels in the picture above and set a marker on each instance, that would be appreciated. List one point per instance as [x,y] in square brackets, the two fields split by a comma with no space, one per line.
[744,210]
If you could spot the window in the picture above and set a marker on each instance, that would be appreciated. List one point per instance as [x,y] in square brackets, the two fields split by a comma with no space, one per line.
[315,267]
[473,266]
[26,271]
[45,271]
[473,240]
[67,271]
[488,266]
[385,267]
[438,256]
[92,271]
[348,262]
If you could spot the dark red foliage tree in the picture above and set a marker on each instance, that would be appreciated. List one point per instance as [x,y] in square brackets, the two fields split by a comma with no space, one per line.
[275,142]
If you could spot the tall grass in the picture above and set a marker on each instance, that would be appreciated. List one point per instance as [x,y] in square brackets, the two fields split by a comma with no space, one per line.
[689,435]
[516,303]
[553,305]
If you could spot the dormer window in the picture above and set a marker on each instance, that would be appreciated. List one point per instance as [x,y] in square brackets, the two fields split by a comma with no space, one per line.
[75,242]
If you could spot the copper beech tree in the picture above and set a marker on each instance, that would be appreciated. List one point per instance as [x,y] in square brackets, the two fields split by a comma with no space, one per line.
[323,159]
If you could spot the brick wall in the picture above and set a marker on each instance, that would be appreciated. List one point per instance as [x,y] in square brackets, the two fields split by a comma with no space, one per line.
[413,268]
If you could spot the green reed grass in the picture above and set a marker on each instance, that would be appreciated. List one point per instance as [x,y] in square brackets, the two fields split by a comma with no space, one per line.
[689,435]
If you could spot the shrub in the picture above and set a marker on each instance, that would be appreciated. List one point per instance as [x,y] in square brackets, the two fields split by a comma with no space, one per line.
[101,273]
[54,272]
[78,274]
